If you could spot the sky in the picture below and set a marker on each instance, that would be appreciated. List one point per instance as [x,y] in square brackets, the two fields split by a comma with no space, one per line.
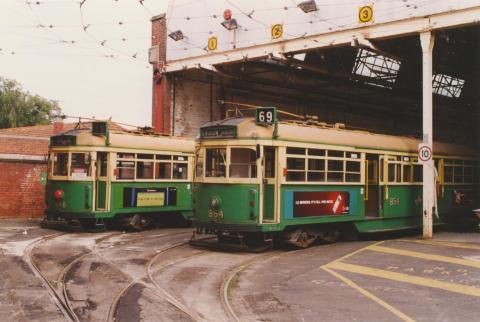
[45,47]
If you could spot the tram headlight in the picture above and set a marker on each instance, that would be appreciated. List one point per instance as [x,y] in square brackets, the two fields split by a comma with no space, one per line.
[214,202]
[58,194]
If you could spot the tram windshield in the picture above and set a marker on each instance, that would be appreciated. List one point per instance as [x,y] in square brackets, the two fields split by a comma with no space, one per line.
[215,162]
[60,164]
[80,165]
[242,163]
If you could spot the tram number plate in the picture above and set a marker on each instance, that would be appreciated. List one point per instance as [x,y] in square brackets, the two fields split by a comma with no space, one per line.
[266,115]
[216,214]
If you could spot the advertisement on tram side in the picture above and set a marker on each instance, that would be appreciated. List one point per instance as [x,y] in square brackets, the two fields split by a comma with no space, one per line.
[320,203]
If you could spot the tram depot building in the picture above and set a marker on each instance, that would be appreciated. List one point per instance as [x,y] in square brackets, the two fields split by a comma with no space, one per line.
[346,70]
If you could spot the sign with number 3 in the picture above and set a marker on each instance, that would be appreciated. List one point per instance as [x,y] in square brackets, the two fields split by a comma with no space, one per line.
[365,14]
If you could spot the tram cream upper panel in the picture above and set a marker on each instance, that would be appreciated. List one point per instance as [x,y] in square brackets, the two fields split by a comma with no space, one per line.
[138,141]
[334,136]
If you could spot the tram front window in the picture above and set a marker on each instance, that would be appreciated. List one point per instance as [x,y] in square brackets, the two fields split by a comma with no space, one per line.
[80,167]
[215,162]
[60,164]
[243,163]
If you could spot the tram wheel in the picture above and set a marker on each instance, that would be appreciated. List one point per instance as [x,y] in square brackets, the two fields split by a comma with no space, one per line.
[301,238]
[329,236]
[139,222]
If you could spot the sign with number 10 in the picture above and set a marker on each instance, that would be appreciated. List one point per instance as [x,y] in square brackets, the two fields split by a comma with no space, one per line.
[266,115]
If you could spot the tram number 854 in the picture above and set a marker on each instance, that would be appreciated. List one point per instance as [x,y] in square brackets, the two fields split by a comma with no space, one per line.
[266,115]
[218,214]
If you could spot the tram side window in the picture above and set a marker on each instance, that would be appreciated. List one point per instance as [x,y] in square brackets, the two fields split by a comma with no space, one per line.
[316,169]
[80,165]
[335,170]
[295,169]
[144,170]
[215,162]
[458,171]
[126,166]
[417,173]
[468,172]
[60,164]
[163,170]
[352,173]
[180,167]
[243,163]
[323,166]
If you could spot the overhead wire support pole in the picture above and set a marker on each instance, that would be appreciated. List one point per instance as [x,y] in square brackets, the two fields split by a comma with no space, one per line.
[427,42]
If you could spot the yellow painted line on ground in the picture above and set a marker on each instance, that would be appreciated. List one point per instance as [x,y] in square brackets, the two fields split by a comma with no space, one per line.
[374,298]
[355,252]
[442,243]
[405,278]
[427,256]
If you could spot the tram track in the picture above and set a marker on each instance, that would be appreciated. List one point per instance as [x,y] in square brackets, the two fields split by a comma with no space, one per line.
[231,276]
[155,287]
[60,302]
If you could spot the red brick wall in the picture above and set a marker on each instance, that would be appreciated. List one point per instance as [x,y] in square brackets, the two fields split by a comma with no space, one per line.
[21,194]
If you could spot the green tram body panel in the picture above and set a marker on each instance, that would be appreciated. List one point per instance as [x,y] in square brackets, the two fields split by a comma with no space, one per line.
[77,200]
[402,209]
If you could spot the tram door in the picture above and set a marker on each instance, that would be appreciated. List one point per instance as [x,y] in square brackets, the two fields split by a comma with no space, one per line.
[101,182]
[372,185]
[269,182]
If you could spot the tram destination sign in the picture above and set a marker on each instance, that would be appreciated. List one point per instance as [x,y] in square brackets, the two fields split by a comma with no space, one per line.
[63,140]
[266,115]
[320,203]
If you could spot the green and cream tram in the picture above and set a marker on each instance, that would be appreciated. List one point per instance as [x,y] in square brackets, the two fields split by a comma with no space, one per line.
[97,177]
[298,182]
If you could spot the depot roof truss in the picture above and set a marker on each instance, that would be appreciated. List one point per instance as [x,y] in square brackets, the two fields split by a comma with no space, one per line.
[443,20]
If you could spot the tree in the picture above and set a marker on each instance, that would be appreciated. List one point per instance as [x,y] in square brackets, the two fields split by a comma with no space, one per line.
[19,108]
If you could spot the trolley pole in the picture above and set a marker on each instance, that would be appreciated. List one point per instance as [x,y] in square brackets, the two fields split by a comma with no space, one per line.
[427,42]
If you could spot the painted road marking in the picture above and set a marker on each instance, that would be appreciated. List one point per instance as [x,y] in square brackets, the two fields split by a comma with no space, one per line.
[426,256]
[364,292]
[442,243]
[374,298]
[405,278]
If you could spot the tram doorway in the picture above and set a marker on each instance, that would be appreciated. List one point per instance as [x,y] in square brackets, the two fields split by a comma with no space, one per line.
[102,182]
[269,181]
[372,185]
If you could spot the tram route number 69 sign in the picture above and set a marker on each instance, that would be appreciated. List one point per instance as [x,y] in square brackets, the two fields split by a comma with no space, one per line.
[424,153]
[266,115]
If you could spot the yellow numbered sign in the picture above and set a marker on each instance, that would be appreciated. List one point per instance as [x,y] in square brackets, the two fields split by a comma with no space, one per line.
[212,43]
[365,14]
[277,31]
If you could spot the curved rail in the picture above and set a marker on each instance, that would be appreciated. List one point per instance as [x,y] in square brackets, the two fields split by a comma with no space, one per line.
[62,303]
[231,274]
[157,289]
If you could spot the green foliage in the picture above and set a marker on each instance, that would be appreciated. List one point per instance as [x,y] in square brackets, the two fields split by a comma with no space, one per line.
[19,108]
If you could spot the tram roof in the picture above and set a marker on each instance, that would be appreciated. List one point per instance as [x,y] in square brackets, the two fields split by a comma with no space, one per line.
[84,137]
[306,133]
